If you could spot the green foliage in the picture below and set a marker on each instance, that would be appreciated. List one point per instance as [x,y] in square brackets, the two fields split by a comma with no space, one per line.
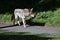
[43,16]
[51,18]
[54,20]
[28,35]
[39,18]
[5,17]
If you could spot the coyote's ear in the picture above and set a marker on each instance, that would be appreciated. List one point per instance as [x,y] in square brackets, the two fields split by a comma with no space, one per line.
[31,9]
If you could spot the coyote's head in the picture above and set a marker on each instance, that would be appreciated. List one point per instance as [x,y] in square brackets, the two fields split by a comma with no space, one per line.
[28,12]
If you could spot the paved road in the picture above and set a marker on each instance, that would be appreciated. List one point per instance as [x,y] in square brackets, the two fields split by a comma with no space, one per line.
[32,29]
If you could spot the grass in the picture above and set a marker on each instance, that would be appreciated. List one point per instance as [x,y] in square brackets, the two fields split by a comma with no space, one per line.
[5,17]
[27,36]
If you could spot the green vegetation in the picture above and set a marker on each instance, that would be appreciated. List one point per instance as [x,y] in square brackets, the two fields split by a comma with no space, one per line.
[54,19]
[28,33]
[29,36]
[5,17]
[50,18]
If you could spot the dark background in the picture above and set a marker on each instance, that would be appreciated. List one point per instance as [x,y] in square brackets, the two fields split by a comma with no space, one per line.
[38,5]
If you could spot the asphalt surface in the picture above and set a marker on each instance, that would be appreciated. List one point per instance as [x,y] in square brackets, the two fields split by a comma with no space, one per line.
[32,29]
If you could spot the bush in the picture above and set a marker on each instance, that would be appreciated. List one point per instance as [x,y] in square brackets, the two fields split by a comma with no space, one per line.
[54,19]
[51,18]
[5,17]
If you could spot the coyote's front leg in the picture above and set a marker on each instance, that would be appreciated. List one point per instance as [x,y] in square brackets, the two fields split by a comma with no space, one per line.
[24,22]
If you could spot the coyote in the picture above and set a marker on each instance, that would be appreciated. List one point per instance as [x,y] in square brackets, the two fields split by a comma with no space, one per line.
[22,13]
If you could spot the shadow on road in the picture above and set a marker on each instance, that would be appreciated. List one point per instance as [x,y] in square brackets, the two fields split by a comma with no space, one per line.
[23,37]
[30,23]
[27,22]
[8,26]
[33,23]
